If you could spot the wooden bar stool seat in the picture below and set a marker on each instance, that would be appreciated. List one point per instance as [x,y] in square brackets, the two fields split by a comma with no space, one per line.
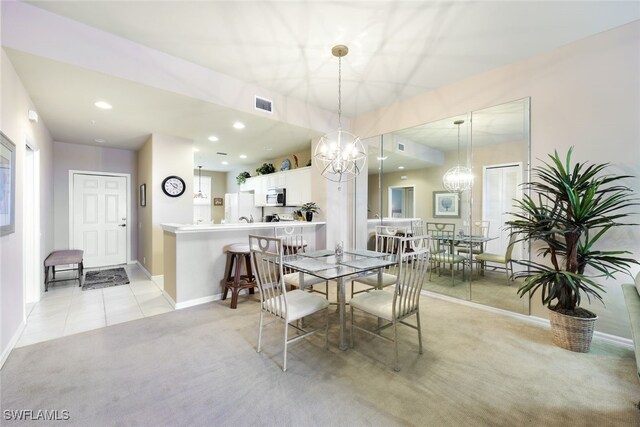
[234,280]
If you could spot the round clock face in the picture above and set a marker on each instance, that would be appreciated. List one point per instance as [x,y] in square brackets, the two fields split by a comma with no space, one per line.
[173,186]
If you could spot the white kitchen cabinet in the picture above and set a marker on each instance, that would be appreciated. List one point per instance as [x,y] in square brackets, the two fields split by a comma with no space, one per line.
[296,181]
[298,185]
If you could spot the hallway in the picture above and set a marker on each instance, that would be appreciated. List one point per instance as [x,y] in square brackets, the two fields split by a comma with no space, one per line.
[66,309]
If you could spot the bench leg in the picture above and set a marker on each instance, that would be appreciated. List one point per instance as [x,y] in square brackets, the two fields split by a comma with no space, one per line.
[80,271]
[46,279]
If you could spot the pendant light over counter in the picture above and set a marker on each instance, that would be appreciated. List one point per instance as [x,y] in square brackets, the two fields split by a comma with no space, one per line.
[199,194]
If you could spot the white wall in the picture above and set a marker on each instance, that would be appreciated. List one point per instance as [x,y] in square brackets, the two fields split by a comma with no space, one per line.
[585,94]
[14,124]
[68,157]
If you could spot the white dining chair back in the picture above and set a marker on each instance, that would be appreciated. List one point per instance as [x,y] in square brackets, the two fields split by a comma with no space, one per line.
[404,301]
[441,241]
[267,259]
[387,241]
[293,242]
[418,228]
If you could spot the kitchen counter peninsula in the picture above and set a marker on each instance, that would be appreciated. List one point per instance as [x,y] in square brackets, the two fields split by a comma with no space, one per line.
[194,257]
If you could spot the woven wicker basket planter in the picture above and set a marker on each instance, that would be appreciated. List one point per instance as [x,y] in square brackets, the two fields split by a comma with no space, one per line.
[572,333]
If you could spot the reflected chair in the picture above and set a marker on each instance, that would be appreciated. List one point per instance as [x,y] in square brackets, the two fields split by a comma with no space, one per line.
[417,227]
[442,236]
[480,228]
[267,257]
[505,259]
[403,301]
[293,243]
[388,241]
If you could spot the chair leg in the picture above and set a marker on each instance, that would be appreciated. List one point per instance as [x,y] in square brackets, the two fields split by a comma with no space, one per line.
[326,332]
[286,336]
[351,331]
[395,344]
[46,279]
[260,332]
[419,331]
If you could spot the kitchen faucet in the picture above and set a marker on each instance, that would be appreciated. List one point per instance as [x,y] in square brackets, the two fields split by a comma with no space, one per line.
[244,218]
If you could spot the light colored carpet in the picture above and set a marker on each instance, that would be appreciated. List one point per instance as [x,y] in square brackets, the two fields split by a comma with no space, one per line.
[198,366]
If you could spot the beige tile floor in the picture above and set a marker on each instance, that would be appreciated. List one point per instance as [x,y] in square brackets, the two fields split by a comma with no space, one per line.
[66,309]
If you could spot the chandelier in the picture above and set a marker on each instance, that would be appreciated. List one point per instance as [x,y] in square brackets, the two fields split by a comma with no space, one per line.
[199,194]
[458,178]
[340,154]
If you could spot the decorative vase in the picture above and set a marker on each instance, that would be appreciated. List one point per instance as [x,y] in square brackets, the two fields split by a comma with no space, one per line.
[572,333]
[308,216]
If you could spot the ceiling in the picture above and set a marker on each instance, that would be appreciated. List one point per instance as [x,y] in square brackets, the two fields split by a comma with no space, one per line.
[397,50]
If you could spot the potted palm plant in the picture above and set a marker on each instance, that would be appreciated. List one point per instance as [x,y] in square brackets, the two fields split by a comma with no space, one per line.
[308,209]
[570,209]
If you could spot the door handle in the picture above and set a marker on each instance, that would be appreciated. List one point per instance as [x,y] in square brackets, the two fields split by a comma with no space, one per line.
[122,225]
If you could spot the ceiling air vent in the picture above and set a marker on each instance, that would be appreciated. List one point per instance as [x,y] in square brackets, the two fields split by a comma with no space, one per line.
[400,146]
[264,104]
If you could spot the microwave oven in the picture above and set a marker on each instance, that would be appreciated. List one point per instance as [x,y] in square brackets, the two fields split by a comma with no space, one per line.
[276,197]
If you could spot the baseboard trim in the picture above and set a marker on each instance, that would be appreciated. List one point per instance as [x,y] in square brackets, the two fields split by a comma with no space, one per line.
[144,270]
[197,301]
[12,343]
[612,339]
[169,298]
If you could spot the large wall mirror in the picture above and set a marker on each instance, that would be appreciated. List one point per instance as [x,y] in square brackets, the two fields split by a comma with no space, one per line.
[405,194]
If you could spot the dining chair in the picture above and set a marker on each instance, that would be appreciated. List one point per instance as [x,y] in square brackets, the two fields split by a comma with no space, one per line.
[267,259]
[395,306]
[387,241]
[293,242]
[504,259]
[417,227]
[470,250]
[442,237]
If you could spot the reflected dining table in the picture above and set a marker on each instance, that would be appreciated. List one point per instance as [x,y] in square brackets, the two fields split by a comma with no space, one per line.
[460,240]
[352,264]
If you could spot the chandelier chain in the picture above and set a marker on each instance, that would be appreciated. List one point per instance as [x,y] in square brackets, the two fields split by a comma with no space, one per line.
[339,92]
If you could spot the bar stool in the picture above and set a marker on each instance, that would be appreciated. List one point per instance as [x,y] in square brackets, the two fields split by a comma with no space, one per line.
[233,277]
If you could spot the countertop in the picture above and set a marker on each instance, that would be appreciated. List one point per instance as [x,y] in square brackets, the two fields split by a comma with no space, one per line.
[193,228]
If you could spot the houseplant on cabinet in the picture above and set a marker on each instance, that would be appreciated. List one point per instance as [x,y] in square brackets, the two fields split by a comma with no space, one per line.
[242,177]
[308,209]
[570,209]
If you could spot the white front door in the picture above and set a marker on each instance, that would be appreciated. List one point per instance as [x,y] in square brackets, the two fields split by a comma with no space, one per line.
[100,219]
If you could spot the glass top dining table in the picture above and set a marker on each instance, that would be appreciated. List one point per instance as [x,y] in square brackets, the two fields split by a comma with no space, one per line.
[352,264]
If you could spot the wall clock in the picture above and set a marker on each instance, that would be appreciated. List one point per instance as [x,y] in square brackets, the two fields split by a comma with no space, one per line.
[173,186]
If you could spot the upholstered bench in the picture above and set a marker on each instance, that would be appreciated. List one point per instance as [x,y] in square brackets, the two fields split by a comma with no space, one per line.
[65,257]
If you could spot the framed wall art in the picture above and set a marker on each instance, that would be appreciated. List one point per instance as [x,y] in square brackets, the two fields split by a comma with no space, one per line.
[446,205]
[217,201]
[7,185]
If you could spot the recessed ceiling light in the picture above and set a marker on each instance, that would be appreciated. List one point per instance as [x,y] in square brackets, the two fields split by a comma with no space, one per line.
[243,156]
[196,149]
[238,125]
[103,105]
[224,162]
[213,138]
[100,140]
[400,167]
